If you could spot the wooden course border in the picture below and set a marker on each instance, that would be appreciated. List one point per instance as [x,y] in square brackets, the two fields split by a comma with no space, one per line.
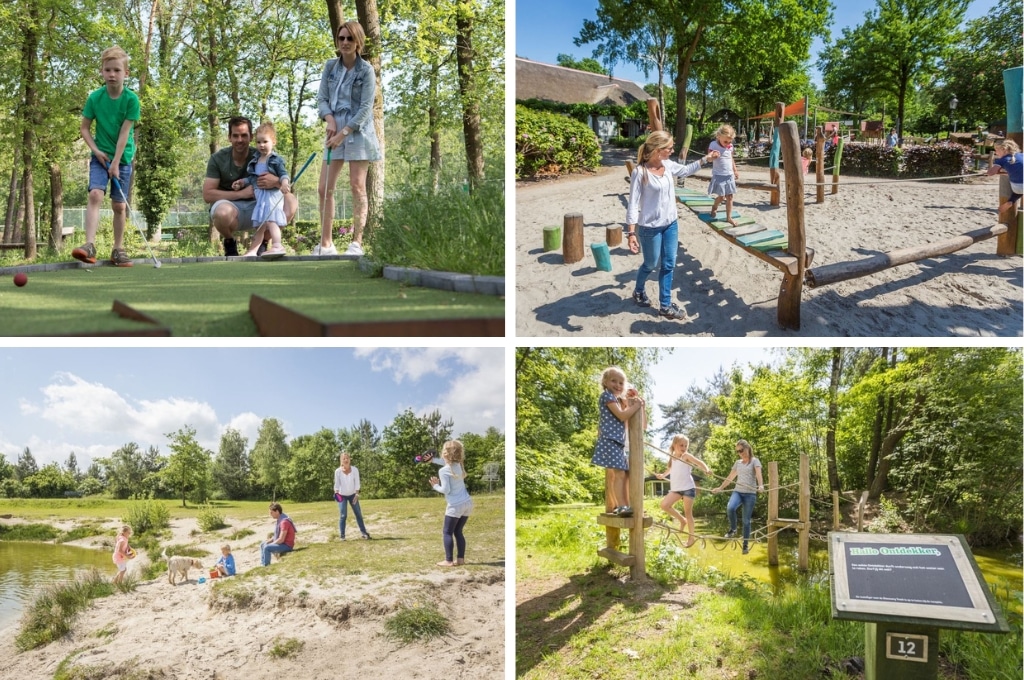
[276,320]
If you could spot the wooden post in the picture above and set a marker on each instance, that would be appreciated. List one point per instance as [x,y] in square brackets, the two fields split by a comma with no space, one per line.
[602,256]
[1007,243]
[638,569]
[793,282]
[860,511]
[819,170]
[803,561]
[552,237]
[687,137]
[572,238]
[773,512]
[654,115]
[835,510]
[613,235]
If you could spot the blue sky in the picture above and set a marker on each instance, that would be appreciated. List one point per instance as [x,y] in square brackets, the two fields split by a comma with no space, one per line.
[545,29]
[94,400]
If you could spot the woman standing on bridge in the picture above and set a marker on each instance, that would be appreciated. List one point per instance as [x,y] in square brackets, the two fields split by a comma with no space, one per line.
[652,220]
[747,473]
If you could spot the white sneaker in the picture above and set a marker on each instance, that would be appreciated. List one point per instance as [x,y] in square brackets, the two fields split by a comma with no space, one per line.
[330,250]
[354,249]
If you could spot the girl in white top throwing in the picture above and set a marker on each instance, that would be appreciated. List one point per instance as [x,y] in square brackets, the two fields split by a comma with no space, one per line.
[452,483]
[652,220]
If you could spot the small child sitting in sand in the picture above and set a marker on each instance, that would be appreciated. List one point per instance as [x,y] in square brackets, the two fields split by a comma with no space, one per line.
[226,564]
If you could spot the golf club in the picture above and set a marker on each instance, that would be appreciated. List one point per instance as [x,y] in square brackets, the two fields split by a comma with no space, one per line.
[323,199]
[120,189]
[281,199]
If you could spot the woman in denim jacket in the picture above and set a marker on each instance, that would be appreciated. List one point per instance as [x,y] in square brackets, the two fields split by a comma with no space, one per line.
[345,102]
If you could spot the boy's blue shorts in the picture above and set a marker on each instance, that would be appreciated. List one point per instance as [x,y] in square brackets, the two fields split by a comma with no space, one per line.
[99,179]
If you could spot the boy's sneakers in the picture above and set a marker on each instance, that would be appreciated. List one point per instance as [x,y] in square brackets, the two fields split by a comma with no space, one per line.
[230,247]
[354,249]
[86,253]
[120,258]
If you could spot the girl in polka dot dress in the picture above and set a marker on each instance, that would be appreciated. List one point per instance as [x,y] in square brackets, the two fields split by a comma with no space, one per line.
[611,437]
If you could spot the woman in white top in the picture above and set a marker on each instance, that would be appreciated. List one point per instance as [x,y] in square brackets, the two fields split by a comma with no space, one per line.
[652,220]
[346,492]
[682,486]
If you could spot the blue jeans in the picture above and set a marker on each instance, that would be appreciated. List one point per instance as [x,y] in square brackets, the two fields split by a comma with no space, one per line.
[99,179]
[658,243]
[747,500]
[343,509]
[267,549]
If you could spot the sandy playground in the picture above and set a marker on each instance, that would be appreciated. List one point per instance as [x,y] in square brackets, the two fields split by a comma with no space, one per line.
[970,293]
[183,632]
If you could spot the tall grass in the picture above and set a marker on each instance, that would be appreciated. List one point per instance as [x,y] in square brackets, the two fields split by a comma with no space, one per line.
[146,516]
[55,609]
[451,230]
[417,622]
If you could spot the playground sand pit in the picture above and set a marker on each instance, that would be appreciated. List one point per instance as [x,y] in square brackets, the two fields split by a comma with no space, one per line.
[185,631]
[970,293]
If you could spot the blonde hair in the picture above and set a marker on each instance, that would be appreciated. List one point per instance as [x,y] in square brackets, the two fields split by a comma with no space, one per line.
[114,53]
[454,453]
[268,129]
[808,153]
[1010,146]
[680,438]
[125,528]
[725,130]
[745,445]
[655,141]
[611,370]
[226,546]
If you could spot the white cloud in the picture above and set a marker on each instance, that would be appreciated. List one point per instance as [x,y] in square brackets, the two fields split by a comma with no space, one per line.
[415,363]
[248,424]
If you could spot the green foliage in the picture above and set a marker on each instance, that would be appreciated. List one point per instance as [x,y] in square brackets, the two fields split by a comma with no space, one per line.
[55,609]
[310,473]
[408,435]
[130,473]
[27,532]
[286,648]
[188,467]
[627,142]
[449,230]
[868,160]
[269,456]
[419,622]
[50,482]
[231,466]
[939,160]
[146,517]
[586,64]
[304,234]
[888,520]
[551,144]
[210,519]
[192,241]
[158,142]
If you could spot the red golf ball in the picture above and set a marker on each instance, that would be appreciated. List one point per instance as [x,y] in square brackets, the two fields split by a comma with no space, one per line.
[20,279]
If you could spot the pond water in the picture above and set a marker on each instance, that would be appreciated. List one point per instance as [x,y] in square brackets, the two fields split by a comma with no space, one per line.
[27,566]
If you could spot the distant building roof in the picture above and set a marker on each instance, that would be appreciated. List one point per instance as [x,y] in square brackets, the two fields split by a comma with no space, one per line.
[535,80]
[725,116]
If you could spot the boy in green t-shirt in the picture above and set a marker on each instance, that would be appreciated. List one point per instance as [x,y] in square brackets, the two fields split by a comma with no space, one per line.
[115,109]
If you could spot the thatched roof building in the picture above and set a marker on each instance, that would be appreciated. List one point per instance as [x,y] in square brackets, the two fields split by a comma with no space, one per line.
[535,80]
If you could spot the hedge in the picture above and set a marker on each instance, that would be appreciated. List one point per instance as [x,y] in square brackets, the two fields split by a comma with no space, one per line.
[550,144]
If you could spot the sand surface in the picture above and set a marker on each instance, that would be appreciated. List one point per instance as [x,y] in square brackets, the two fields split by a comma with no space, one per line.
[970,293]
[185,632]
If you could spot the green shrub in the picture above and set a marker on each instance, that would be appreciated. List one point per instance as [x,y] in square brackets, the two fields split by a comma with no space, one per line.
[418,622]
[28,532]
[283,648]
[303,235]
[210,519]
[548,143]
[146,516]
[53,612]
[936,160]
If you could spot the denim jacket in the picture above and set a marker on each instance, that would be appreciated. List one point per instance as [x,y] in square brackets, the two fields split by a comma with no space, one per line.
[364,86]
[275,166]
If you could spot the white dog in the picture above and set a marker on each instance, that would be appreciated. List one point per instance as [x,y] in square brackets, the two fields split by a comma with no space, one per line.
[179,566]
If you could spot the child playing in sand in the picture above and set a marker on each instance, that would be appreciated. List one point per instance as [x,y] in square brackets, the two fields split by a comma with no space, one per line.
[723,172]
[1009,160]
[269,210]
[611,439]
[226,564]
[806,160]
[122,553]
[680,470]
[452,483]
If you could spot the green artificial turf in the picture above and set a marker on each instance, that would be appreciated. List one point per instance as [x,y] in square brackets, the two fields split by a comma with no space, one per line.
[212,299]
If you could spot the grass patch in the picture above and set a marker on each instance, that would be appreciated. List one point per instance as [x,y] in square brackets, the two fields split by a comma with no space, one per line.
[285,648]
[107,631]
[185,551]
[210,518]
[82,531]
[578,617]
[417,622]
[28,532]
[240,534]
[55,609]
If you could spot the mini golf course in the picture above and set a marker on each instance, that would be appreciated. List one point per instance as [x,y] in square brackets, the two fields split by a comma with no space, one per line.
[218,297]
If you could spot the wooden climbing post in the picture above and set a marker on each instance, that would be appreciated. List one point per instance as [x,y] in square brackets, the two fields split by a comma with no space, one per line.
[572,238]
[835,166]
[613,235]
[804,549]
[654,115]
[793,281]
[636,524]
[835,510]
[773,511]
[1007,243]
[803,524]
[819,170]
[552,237]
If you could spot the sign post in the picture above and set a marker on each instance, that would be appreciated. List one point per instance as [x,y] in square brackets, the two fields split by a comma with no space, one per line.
[905,587]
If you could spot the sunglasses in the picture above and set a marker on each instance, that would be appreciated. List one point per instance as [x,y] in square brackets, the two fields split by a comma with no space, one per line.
[346,38]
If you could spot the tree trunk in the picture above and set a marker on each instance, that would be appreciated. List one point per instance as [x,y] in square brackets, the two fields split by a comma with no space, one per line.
[30,45]
[833,418]
[434,132]
[892,438]
[13,203]
[470,97]
[369,17]
[683,63]
[56,206]
[212,123]
[876,430]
